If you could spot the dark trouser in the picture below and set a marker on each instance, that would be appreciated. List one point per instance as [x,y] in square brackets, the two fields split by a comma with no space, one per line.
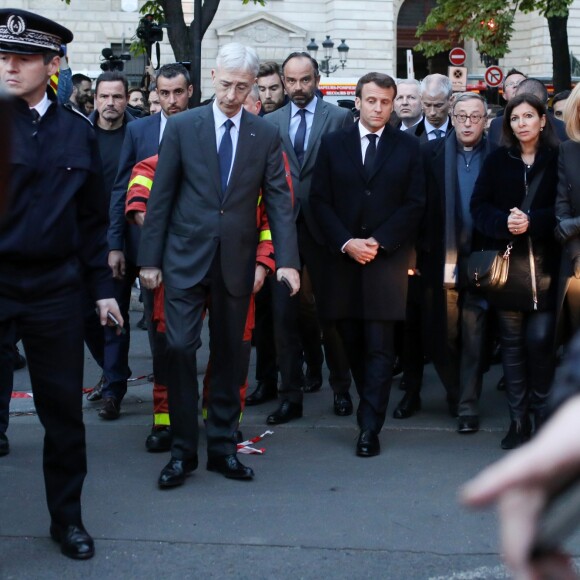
[51,327]
[461,362]
[266,367]
[315,257]
[369,344]
[308,324]
[111,351]
[288,344]
[184,310]
[409,334]
[474,315]
[527,340]
[6,375]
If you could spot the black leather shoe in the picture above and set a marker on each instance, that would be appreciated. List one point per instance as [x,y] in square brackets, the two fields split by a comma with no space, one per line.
[342,404]
[159,439]
[519,432]
[368,444]
[96,393]
[263,393]
[229,466]
[175,472]
[468,424]
[408,406]
[284,413]
[4,445]
[313,380]
[111,410]
[74,541]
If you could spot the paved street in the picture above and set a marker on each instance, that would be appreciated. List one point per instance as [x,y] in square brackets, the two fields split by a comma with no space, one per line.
[314,510]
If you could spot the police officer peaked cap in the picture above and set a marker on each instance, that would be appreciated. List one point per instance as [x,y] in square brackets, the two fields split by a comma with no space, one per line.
[23,32]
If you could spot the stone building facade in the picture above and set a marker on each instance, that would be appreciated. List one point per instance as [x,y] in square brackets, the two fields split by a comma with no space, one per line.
[376,31]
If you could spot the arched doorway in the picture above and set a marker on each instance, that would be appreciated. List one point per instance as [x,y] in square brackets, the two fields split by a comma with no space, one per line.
[411,14]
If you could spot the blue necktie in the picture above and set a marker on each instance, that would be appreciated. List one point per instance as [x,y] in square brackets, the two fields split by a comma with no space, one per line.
[438,133]
[225,154]
[300,137]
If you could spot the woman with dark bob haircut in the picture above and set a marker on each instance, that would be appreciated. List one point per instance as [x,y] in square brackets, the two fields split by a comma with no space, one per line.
[526,304]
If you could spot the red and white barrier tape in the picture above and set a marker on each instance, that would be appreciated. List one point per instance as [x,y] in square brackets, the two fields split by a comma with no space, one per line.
[246,446]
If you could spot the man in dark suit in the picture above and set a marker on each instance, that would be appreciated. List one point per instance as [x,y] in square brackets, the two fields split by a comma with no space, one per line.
[408,108]
[369,212]
[301,124]
[141,142]
[456,315]
[436,91]
[200,238]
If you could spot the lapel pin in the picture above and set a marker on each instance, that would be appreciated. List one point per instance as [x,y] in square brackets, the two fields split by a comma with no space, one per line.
[252,134]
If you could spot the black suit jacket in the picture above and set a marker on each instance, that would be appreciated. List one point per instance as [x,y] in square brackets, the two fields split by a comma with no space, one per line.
[141,141]
[188,217]
[327,118]
[387,206]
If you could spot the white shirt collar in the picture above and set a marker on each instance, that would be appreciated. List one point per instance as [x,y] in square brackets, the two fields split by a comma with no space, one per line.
[220,118]
[310,107]
[429,127]
[42,107]
[364,131]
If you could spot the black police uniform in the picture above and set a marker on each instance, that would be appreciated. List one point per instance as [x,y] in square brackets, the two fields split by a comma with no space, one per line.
[52,239]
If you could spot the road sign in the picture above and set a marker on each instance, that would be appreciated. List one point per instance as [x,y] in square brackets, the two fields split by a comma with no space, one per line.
[458,77]
[493,76]
[457,56]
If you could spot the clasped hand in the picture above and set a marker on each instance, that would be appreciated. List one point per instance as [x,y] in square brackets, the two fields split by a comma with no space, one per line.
[361,250]
[518,222]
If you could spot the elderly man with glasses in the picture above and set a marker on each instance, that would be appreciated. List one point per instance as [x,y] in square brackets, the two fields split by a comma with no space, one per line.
[455,313]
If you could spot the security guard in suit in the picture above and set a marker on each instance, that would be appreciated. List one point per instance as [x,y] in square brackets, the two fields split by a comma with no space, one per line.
[52,239]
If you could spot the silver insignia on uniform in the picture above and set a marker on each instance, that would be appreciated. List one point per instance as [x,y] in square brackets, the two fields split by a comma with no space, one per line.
[15,24]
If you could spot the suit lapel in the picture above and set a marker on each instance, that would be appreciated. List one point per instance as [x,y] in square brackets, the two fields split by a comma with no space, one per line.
[386,145]
[320,118]
[206,132]
[246,143]
[285,134]
[353,148]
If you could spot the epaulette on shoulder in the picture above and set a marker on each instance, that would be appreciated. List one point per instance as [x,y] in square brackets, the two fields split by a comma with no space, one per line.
[71,109]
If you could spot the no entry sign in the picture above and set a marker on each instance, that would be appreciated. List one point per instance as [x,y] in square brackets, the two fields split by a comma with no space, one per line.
[493,76]
[457,56]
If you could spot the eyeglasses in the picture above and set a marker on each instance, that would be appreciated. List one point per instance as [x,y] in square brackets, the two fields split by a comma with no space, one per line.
[513,84]
[474,118]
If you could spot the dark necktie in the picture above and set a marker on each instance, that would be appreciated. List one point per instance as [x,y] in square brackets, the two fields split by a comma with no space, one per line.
[35,121]
[370,153]
[225,155]
[438,133]
[300,137]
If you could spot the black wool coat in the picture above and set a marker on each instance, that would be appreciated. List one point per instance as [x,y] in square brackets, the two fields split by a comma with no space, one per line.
[500,187]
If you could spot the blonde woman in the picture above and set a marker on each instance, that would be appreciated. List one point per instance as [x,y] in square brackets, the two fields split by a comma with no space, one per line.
[568,216]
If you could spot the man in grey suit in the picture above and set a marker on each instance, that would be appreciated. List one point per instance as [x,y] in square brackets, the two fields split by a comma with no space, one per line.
[200,238]
[301,123]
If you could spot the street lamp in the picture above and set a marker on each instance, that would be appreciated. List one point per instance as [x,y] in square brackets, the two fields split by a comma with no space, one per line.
[325,66]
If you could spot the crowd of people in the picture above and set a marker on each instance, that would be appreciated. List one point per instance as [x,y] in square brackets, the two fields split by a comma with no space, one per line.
[327,235]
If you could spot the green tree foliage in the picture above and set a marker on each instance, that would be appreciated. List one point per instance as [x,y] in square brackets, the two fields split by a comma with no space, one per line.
[490,24]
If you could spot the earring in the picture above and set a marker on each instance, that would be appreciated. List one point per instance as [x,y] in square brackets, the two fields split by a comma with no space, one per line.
[541,128]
